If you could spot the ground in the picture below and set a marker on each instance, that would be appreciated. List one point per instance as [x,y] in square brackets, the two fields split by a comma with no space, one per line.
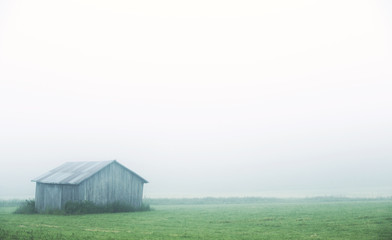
[294,219]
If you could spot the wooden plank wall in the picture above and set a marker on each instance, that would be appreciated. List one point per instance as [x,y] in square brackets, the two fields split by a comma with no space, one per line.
[47,196]
[111,184]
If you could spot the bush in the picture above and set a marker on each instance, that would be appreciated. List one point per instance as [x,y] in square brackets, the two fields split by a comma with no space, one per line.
[28,207]
[145,207]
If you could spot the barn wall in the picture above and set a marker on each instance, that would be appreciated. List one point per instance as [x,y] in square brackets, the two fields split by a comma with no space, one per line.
[47,196]
[70,193]
[111,184]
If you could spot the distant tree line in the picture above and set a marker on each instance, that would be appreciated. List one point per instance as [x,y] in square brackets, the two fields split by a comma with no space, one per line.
[11,203]
[247,200]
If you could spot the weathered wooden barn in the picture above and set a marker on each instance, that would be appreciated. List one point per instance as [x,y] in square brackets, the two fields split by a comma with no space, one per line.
[100,182]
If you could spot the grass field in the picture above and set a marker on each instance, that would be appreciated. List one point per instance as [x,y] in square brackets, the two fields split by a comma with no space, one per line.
[290,219]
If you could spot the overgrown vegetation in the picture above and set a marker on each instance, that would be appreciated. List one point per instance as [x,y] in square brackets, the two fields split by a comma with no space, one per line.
[84,207]
[27,207]
[88,207]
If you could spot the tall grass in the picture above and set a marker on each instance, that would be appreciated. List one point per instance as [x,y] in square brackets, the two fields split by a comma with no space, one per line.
[88,207]
[84,207]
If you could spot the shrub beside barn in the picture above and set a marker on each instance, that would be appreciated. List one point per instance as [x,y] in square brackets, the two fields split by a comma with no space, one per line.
[99,182]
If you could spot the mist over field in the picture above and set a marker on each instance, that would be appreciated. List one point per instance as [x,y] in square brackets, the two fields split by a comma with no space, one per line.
[201,98]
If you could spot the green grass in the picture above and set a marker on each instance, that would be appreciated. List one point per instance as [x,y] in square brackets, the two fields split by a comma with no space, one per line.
[295,219]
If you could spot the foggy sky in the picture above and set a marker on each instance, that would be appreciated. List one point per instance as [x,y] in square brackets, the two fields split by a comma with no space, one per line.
[201,98]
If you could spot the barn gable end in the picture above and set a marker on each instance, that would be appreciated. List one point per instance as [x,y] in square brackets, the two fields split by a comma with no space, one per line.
[98,182]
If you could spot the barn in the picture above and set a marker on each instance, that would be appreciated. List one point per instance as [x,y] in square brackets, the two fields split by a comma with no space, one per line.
[101,182]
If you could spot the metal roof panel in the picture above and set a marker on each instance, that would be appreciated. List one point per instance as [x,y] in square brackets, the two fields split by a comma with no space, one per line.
[72,172]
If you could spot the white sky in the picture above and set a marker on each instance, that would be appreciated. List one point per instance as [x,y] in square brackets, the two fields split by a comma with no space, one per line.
[202,98]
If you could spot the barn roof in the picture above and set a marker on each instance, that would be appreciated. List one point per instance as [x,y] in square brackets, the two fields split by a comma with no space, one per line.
[76,172]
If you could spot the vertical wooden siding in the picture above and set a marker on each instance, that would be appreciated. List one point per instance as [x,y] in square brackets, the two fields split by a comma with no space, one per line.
[47,196]
[70,193]
[112,183]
